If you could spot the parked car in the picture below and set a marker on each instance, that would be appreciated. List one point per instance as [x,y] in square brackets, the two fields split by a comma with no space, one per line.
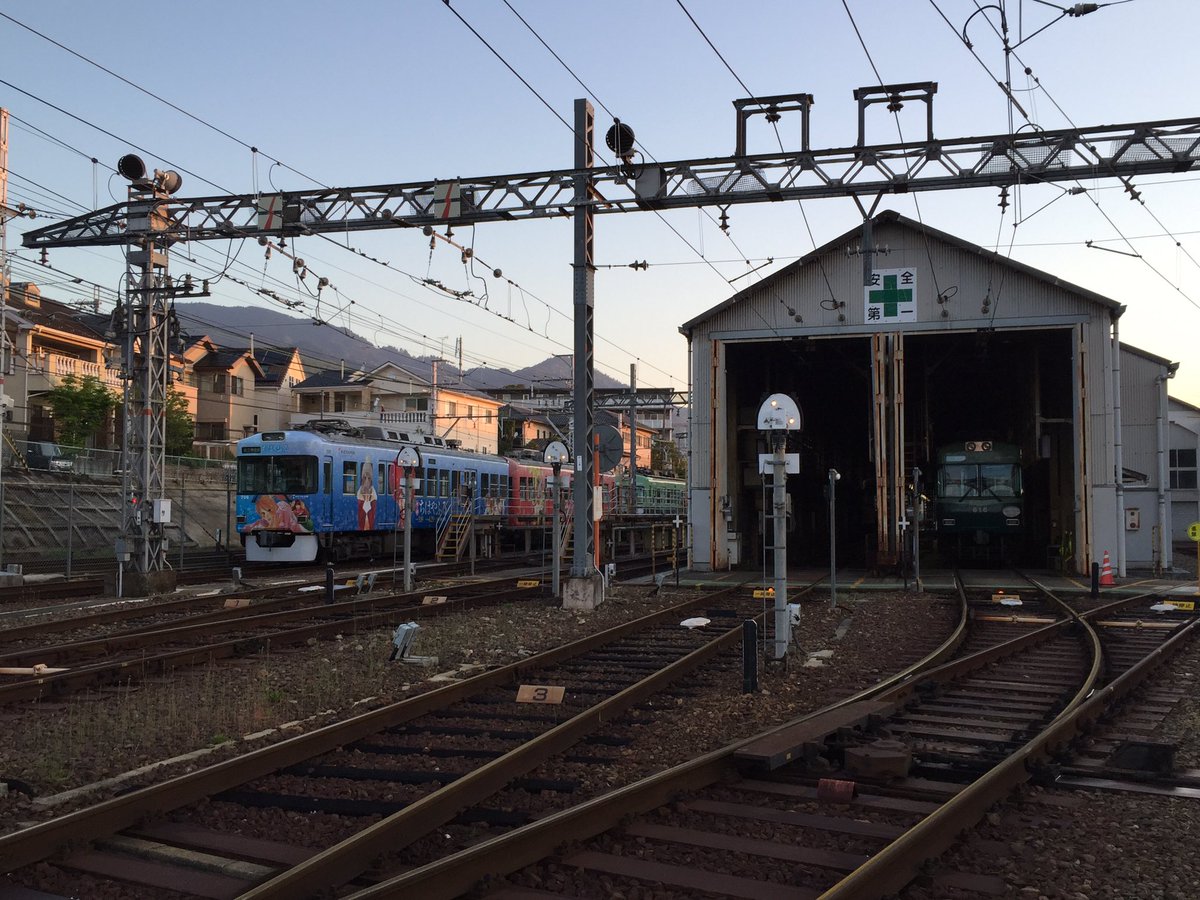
[47,455]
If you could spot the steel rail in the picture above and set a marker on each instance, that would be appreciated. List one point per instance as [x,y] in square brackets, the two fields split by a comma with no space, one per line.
[889,870]
[39,841]
[455,874]
[102,673]
[349,859]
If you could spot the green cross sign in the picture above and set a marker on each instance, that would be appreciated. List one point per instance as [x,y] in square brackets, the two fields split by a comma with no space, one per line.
[891,297]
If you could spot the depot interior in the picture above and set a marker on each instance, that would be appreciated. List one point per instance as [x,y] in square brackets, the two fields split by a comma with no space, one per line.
[1012,386]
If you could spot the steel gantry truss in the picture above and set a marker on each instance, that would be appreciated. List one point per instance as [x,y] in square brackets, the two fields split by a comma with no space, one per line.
[861,171]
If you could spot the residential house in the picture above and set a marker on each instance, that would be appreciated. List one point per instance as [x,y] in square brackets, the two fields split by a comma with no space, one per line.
[48,341]
[226,407]
[404,401]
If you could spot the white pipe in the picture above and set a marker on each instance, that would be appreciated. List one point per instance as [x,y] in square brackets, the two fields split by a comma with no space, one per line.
[1118,449]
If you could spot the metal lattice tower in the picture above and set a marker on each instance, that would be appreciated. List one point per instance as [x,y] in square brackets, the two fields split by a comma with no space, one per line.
[142,323]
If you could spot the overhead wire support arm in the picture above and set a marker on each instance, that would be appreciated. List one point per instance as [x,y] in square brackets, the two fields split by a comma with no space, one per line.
[1140,148]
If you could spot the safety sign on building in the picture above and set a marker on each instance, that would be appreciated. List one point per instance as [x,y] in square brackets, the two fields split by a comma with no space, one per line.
[890,297]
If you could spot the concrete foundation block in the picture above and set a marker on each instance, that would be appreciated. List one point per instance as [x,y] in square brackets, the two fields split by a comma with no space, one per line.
[585,592]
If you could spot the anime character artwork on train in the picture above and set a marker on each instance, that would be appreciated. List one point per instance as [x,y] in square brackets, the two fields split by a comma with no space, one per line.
[303,495]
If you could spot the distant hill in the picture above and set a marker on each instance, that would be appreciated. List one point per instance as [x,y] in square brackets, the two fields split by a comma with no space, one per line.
[324,347]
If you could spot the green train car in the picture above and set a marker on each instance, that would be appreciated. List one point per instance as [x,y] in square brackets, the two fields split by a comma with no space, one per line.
[978,503]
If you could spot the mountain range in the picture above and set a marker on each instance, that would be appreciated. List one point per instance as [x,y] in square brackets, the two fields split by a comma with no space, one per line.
[328,346]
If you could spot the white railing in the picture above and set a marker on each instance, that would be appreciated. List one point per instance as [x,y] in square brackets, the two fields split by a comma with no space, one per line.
[57,366]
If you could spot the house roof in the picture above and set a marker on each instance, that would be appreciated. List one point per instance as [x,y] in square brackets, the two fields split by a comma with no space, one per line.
[889,216]
[273,362]
[226,358]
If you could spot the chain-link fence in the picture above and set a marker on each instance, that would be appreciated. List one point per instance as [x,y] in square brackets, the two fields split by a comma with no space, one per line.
[49,456]
[63,508]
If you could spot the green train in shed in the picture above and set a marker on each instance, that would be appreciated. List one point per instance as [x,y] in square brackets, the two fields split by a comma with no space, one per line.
[978,504]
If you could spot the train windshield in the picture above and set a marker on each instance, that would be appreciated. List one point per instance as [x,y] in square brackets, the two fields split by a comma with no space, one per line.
[277,475]
[997,480]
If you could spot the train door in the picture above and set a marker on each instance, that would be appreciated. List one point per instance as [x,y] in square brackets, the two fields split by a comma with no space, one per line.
[327,482]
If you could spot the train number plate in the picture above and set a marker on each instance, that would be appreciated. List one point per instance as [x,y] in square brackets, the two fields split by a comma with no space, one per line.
[528,583]
[1186,605]
[540,693]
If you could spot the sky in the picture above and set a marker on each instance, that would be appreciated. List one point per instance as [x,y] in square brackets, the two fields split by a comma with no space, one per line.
[378,92]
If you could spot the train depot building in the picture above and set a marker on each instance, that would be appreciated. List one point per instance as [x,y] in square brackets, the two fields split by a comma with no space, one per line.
[922,344]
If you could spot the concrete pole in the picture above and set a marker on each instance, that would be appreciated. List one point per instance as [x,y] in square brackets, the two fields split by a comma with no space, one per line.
[779,509]
[556,537]
[408,503]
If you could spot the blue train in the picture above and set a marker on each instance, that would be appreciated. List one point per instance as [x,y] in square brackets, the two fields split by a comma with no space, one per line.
[335,494]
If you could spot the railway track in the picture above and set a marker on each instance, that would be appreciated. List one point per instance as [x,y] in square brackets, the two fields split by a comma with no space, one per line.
[196,631]
[852,801]
[446,760]
[771,817]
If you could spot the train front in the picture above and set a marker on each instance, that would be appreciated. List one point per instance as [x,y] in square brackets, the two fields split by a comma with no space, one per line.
[277,497]
[979,499]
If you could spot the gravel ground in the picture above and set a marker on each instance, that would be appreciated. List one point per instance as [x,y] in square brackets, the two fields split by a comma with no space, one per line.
[53,747]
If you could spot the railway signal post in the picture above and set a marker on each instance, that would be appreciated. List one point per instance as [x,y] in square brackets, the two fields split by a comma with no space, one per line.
[776,417]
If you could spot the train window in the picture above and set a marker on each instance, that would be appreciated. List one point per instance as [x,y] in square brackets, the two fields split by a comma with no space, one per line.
[382,485]
[277,475]
[956,482]
[349,477]
[1000,480]
[327,475]
[443,483]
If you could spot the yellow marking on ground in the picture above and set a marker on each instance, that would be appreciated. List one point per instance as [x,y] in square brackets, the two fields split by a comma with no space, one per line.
[1078,584]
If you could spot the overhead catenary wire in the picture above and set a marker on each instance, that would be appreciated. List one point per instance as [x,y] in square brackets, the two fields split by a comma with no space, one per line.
[195,118]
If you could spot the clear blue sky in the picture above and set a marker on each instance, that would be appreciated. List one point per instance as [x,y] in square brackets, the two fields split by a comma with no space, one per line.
[373,92]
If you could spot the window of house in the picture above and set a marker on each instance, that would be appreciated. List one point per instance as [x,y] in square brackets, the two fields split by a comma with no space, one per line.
[1183,468]
[236,386]
[211,431]
[217,384]
[452,408]
[487,417]
[470,411]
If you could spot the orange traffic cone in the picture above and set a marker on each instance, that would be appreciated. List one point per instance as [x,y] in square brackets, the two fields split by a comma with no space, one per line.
[1106,575]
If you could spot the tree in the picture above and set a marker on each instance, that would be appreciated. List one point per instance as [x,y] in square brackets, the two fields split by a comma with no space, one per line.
[181,429]
[80,407]
[666,458]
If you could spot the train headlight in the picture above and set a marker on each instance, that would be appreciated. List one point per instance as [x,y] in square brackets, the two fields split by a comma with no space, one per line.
[1011,512]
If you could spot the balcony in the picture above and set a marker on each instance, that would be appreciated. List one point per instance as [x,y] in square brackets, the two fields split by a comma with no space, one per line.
[48,370]
[413,421]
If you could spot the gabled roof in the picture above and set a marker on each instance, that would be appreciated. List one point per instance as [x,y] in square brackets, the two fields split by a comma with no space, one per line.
[225,359]
[272,362]
[889,216]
